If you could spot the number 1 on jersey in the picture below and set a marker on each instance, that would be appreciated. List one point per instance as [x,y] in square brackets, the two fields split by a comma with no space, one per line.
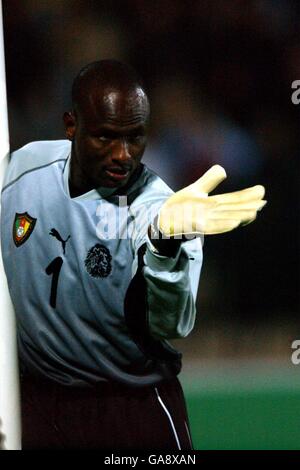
[54,268]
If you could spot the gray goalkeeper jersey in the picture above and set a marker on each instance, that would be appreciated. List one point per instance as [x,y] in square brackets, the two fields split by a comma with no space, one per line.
[93,301]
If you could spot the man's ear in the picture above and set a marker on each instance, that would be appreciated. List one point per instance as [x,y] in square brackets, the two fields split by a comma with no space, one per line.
[70,126]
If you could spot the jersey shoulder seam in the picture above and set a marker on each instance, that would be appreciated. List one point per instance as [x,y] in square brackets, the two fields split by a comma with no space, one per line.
[30,171]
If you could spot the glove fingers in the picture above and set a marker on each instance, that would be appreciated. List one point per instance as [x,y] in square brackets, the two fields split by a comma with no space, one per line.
[242,216]
[211,179]
[253,205]
[245,195]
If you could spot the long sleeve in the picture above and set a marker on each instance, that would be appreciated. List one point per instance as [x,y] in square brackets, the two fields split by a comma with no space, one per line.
[172,285]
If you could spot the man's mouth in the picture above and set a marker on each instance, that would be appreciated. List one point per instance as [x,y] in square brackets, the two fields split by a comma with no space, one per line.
[117,173]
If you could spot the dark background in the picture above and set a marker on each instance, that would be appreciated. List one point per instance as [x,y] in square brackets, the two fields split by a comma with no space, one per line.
[219,77]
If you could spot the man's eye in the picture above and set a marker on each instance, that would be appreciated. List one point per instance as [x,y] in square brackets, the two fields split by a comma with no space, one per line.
[103,139]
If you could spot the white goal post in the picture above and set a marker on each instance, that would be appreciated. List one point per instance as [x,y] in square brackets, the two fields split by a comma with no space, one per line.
[10,428]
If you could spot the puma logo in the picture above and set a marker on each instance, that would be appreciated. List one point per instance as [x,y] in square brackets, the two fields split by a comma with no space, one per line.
[56,234]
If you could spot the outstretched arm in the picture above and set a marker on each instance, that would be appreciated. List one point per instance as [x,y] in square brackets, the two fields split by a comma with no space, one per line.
[171,266]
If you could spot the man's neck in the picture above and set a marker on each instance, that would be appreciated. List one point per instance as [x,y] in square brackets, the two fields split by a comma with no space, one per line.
[78,183]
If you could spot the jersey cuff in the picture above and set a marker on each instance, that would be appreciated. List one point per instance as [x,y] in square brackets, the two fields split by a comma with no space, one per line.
[159,262]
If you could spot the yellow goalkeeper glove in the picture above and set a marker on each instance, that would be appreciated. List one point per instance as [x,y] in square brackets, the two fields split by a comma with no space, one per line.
[191,211]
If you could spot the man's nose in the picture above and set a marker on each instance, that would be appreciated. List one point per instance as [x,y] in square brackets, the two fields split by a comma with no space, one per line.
[121,151]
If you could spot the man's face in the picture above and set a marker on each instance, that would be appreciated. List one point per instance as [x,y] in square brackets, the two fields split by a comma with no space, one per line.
[109,136]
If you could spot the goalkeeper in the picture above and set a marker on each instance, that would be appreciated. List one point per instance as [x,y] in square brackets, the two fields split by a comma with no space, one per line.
[95,312]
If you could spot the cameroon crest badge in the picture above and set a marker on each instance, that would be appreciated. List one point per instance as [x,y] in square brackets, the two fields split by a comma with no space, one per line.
[23,228]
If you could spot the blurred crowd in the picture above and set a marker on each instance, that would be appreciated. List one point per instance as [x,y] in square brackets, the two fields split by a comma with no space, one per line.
[219,77]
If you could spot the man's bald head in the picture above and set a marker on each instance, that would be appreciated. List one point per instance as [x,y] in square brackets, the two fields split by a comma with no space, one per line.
[101,77]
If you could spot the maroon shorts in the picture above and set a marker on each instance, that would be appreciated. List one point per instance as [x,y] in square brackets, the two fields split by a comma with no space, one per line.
[109,416]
